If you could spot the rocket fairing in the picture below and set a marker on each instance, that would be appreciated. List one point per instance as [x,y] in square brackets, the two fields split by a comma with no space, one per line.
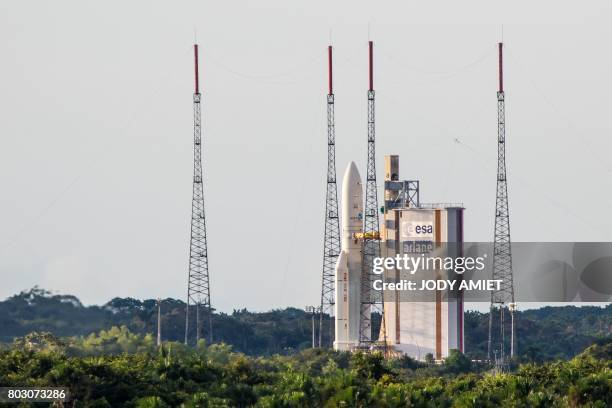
[349,265]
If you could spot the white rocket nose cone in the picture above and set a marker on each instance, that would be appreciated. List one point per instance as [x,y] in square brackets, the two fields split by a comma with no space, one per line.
[352,206]
[351,175]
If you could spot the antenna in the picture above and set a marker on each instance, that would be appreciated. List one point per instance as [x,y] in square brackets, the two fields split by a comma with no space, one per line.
[371,58]
[197,70]
[331,75]
[331,237]
[501,67]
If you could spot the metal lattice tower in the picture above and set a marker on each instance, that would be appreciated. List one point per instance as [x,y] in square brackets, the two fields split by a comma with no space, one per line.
[198,288]
[502,253]
[371,245]
[331,239]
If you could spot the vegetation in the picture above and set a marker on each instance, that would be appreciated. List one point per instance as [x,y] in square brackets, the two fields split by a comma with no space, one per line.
[107,357]
[545,334]
[118,369]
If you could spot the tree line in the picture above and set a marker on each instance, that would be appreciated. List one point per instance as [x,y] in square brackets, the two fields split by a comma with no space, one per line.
[544,334]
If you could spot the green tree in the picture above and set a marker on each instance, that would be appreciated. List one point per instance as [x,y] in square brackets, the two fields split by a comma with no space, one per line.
[457,362]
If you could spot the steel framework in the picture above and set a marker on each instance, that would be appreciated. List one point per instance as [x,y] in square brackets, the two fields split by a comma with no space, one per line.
[408,194]
[198,286]
[331,238]
[371,301]
[502,252]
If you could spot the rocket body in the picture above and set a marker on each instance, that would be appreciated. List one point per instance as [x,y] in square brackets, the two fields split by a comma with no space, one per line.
[349,264]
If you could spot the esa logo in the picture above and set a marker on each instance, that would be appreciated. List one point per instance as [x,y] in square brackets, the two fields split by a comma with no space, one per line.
[423,229]
[412,229]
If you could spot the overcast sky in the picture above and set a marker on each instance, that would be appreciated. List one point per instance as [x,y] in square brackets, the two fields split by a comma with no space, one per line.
[96,133]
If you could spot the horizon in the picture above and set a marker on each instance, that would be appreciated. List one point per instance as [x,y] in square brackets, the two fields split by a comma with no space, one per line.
[469,305]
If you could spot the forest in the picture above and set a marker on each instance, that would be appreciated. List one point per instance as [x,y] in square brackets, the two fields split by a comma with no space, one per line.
[107,356]
[116,368]
[545,334]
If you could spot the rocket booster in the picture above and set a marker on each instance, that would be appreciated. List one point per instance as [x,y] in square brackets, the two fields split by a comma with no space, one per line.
[349,264]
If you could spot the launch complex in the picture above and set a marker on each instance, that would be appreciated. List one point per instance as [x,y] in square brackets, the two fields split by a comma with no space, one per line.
[415,327]
[428,324]
[364,317]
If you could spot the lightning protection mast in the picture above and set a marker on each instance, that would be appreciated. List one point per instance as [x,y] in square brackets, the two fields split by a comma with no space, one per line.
[198,288]
[502,254]
[331,238]
[371,301]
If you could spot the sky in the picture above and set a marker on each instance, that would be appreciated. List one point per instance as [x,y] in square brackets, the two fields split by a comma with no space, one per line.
[96,148]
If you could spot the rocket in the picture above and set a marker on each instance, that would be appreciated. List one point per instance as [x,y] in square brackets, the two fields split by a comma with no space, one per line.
[349,264]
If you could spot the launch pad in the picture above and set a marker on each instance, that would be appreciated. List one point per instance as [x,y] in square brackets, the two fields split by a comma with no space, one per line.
[411,327]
